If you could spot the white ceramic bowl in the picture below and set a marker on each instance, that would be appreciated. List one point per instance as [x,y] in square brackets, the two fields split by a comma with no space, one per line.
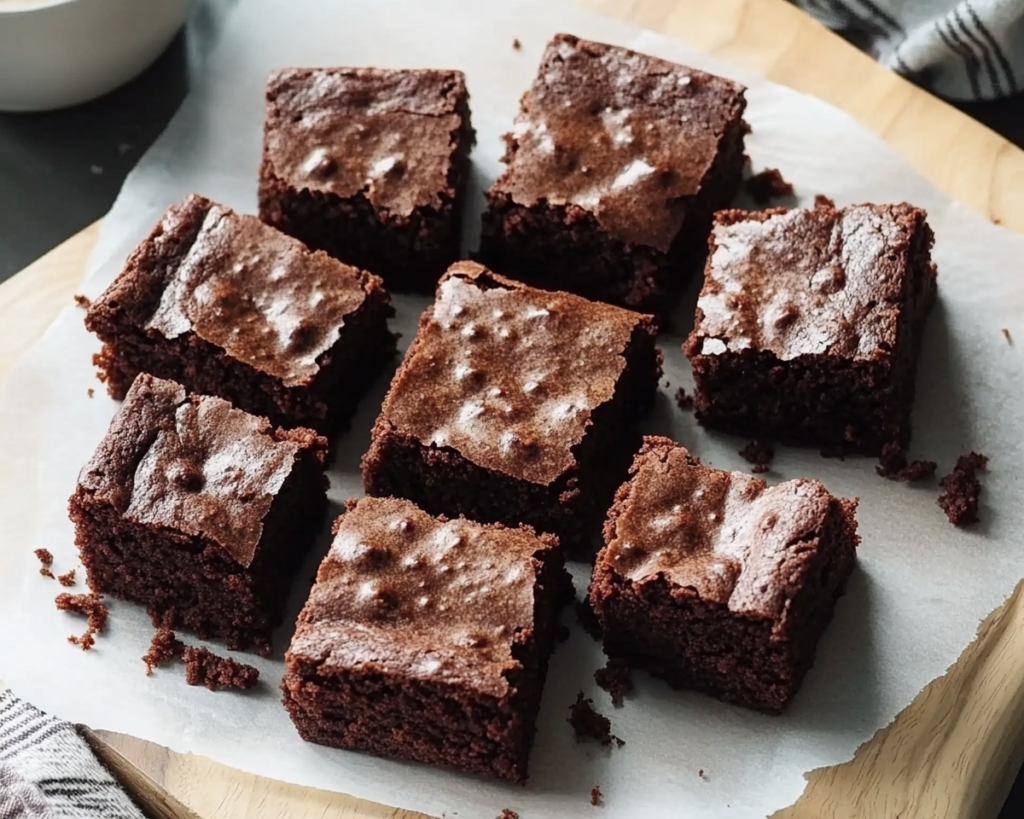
[56,53]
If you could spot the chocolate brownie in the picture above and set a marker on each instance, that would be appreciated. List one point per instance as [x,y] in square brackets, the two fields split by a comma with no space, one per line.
[809,325]
[515,405]
[614,166]
[227,306]
[715,581]
[370,165]
[199,511]
[427,639]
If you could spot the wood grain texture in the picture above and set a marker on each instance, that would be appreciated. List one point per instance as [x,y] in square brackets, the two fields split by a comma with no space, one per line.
[953,753]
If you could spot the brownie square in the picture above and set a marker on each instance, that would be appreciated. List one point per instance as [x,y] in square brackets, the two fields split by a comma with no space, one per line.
[369,165]
[615,164]
[427,639]
[227,306]
[715,581]
[809,324]
[515,405]
[199,511]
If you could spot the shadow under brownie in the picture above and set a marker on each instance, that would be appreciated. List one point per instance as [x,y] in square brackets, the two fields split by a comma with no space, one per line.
[227,306]
[715,581]
[515,405]
[427,639]
[613,169]
[810,322]
[199,511]
[370,165]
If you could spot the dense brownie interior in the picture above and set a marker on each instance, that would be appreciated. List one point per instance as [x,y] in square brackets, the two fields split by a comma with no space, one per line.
[515,405]
[369,165]
[810,322]
[227,306]
[615,164]
[199,511]
[715,581]
[427,639]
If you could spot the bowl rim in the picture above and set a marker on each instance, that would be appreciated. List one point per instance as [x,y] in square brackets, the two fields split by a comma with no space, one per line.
[30,6]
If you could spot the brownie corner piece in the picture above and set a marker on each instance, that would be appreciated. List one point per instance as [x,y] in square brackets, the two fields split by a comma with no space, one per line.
[715,581]
[369,165]
[227,306]
[614,166]
[427,639]
[810,323]
[199,511]
[515,405]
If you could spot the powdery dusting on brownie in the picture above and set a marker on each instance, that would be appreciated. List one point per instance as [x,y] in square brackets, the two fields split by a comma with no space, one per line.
[203,667]
[962,489]
[615,679]
[589,724]
[88,605]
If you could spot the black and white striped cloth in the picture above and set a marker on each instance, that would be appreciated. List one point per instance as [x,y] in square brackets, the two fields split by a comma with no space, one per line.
[960,49]
[48,772]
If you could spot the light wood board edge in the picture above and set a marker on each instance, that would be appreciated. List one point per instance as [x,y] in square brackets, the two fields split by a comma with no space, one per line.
[954,751]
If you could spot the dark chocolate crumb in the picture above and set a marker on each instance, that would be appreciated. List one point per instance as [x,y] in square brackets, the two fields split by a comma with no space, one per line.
[768,185]
[684,401]
[562,635]
[960,500]
[596,797]
[89,605]
[586,617]
[203,667]
[700,773]
[67,579]
[615,679]
[822,201]
[44,556]
[45,572]
[90,392]
[760,454]
[893,464]
[83,301]
[589,724]
[164,648]
[85,642]
[1006,334]
[516,44]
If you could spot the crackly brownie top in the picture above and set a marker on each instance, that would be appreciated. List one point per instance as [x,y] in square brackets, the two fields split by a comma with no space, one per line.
[391,134]
[727,535]
[263,297]
[627,137]
[508,375]
[807,282]
[405,592]
[193,464]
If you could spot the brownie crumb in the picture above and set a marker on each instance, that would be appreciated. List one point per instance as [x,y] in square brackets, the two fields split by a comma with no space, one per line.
[45,557]
[46,572]
[589,724]
[88,605]
[960,500]
[1006,334]
[83,301]
[822,201]
[203,667]
[90,392]
[85,642]
[67,579]
[760,454]
[518,46]
[596,797]
[684,401]
[768,185]
[700,773]
[586,617]
[164,647]
[615,679]
[893,464]
[508,814]
[562,635]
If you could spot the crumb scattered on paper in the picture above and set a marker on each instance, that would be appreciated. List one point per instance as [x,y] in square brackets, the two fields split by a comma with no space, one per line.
[83,301]
[768,185]
[893,464]
[596,797]
[684,401]
[616,679]
[963,489]
[67,579]
[760,454]
[518,46]
[1006,334]
[589,724]
[164,647]
[203,667]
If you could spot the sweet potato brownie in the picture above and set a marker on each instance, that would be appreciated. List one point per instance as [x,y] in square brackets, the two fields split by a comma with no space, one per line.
[614,166]
[200,511]
[515,405]
[715,581]
[227,306]
[370,165]
[427,639]
[809,325]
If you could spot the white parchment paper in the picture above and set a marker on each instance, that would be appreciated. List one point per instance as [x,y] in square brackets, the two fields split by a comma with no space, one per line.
[913,604]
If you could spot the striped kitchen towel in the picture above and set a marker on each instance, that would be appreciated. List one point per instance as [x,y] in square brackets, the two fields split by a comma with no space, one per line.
[48,772]
[962,50]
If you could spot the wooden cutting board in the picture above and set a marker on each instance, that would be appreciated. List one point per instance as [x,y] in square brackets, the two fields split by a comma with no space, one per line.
[953,753]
